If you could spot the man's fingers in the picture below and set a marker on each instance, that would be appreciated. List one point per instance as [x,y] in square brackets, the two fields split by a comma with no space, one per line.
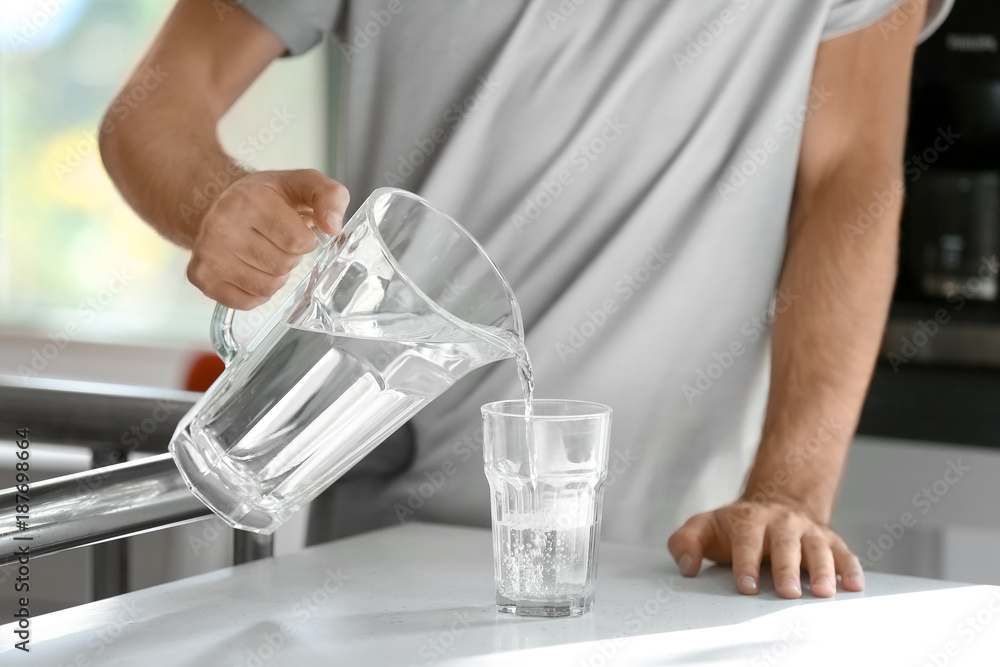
[231,296]
[216,281]
[785,548]
[259,252]
[852,577]
[327,198]
[687,545]
[255,281]
[258,229]
[818,560]
[284,228]
[744,535]
[748,550]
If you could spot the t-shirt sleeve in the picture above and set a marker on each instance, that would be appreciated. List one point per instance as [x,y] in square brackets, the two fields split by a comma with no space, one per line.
[850,15]
[299,24]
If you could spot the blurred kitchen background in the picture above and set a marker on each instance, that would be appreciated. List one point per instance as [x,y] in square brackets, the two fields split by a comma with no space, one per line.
[88,293]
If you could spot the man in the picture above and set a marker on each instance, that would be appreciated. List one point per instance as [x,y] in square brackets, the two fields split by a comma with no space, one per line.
[671,189]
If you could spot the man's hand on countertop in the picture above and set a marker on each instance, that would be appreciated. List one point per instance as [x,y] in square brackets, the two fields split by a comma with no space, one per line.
[744,534]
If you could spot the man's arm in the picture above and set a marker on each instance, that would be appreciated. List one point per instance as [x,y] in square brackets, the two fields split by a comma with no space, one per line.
[824,345]
[244,229]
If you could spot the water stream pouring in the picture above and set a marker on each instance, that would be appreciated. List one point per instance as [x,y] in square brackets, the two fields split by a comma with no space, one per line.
[398,307]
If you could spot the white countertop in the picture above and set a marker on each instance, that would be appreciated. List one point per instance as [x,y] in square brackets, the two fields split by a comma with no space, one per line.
[423,595]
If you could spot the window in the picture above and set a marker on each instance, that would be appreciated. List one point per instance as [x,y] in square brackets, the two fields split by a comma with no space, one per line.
[75,261]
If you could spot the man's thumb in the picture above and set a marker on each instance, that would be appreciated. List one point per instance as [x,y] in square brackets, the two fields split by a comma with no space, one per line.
[687,545]
[326,197]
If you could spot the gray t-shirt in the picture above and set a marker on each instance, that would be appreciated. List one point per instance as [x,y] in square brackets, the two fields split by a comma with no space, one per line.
[629,166]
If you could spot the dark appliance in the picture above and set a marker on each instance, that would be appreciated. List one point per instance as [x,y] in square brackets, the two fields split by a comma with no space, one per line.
[951,219]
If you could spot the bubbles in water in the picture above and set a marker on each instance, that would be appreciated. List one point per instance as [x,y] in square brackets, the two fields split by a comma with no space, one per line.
[541,559]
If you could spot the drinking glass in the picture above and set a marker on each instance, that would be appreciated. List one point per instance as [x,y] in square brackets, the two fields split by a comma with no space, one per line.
[546,475]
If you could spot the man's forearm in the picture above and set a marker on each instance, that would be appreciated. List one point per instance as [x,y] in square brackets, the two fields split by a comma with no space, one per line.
[168,175]
[162,152]
[839,267]
[837,286]
[246,232]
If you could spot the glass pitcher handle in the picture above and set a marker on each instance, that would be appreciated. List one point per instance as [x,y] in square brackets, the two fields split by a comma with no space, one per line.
[222,319]
[222,333]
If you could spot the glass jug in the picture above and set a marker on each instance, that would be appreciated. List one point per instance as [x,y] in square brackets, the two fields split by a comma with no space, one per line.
[399,306]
